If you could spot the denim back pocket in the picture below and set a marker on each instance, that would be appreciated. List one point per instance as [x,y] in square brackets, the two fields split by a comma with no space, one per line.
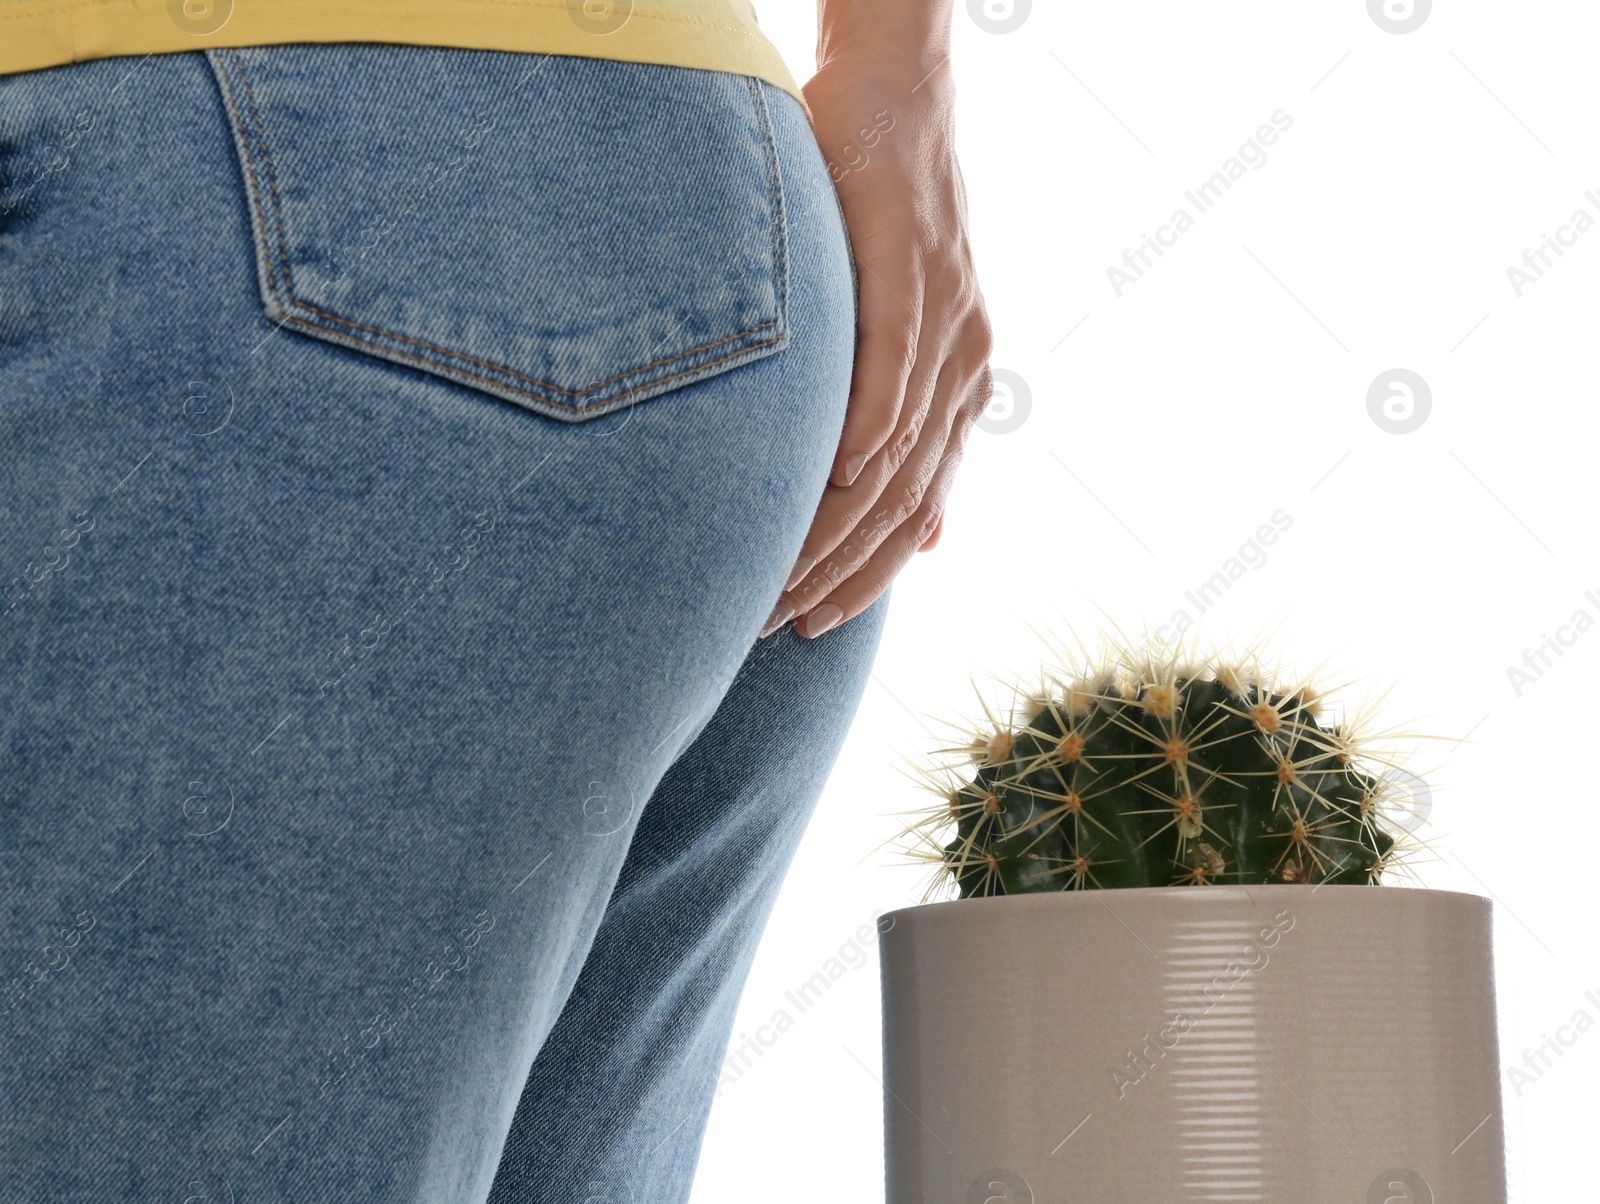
[573,235]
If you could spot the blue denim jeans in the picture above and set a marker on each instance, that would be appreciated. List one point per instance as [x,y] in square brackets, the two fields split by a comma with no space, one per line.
[402,450]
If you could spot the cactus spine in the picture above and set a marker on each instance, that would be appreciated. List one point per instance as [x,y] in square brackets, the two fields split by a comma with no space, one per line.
[1155,773]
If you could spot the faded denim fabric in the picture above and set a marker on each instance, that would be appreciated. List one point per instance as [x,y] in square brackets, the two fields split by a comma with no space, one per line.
[402,448]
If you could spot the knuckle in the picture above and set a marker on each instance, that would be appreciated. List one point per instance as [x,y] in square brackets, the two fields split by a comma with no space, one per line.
[968,294]
[978,335]
[982,343]
[911,498]
[904,445]
[882,522]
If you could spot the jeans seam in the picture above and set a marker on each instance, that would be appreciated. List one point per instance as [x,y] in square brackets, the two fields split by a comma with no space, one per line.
[849,245]
[778,217]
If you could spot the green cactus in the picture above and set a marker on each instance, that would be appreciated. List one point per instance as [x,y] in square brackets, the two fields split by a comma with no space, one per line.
[1158,772]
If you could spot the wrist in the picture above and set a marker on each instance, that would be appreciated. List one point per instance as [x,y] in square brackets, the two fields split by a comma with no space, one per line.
[899,75]
[901,42]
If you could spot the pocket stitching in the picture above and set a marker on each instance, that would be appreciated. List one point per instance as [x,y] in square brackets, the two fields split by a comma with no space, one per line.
[258,210]
[776,231]
[777,222]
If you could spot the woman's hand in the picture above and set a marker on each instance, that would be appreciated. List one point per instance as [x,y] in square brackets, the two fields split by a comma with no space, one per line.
[883,118]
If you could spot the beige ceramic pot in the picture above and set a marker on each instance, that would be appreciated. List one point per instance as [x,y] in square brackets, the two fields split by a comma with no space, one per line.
[1218,1043]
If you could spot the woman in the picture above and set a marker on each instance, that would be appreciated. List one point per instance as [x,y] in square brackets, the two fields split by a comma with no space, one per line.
[411,421]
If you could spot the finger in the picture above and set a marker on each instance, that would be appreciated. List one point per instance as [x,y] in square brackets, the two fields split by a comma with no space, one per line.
[906,491]
[887,327]
[863,587]
[900,498]
[841,508]
[932,541]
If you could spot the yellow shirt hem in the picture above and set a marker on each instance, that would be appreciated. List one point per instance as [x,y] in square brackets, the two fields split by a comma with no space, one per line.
[715,35]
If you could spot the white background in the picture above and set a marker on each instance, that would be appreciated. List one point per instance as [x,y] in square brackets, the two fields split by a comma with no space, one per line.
[1231,382]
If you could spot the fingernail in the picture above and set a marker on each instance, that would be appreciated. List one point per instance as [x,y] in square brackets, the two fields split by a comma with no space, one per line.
[801,568]
[822,618]
[852,467]
[779,616]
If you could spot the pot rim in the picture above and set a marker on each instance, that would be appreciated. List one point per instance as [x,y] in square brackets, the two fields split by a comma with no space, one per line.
[1139,895]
